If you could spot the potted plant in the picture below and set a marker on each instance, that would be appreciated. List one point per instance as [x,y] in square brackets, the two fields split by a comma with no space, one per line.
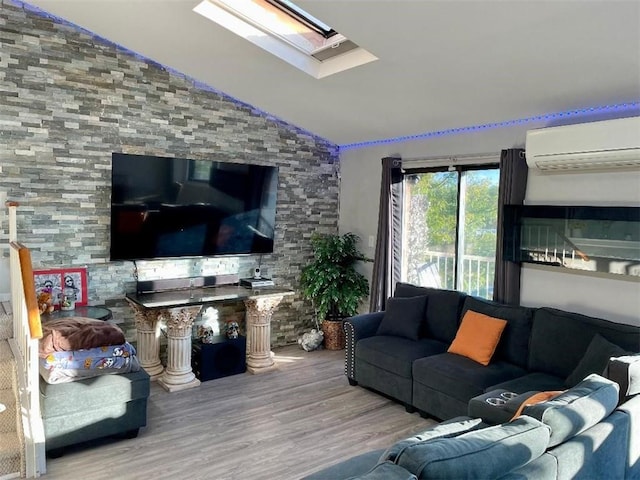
[333,285]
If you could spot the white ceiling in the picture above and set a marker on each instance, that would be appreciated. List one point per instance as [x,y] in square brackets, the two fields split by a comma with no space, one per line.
[442,63]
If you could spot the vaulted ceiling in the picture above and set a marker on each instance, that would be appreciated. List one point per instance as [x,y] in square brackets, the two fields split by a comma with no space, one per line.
[441,64]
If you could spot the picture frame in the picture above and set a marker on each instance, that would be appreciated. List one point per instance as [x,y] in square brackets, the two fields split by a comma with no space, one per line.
[55,280]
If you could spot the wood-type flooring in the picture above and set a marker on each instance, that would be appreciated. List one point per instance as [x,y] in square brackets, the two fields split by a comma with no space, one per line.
[284,424]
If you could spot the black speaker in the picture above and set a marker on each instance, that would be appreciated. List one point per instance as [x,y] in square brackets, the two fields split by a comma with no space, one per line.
[224,357]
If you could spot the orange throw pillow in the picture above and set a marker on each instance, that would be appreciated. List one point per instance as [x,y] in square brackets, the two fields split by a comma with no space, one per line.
[477,337]
[536,398]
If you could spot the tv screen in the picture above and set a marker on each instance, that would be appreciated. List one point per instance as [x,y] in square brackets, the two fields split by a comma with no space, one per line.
[174,207]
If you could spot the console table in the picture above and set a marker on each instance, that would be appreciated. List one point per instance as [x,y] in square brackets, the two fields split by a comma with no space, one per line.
[97,312]
[179,308]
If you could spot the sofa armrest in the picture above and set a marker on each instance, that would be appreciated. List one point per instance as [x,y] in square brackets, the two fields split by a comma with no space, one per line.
[625,371]
[631,408]
[357,328]
[348,469]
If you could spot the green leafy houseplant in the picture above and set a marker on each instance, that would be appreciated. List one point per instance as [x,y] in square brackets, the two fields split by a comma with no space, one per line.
[331,281]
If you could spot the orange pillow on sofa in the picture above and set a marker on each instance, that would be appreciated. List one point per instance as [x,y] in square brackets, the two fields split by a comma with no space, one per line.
[477,337]
[536,398]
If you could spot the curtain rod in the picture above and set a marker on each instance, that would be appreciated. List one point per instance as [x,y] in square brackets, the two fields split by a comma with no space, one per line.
[450,161]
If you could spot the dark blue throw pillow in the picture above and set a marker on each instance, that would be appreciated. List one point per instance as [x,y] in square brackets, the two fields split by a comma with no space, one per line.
[403,317]
[595,359]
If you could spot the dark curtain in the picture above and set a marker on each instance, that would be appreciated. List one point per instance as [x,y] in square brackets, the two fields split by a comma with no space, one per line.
[513,184]
[386,263]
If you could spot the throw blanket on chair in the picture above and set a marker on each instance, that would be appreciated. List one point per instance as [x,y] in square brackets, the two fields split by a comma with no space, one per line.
[78,333]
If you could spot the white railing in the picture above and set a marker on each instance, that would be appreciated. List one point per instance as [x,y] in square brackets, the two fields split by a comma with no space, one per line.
[543,243]
[475,273]
[24,344]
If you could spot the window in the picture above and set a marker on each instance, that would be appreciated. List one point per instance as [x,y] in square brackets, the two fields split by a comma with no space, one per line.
[288,32]
[303,17]
[449,228]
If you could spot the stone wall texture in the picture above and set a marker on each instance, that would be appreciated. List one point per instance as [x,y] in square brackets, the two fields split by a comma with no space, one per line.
[69,99]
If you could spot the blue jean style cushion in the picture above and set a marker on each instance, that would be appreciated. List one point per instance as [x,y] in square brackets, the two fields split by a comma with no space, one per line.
[577,409]
[386,471]
[352,467]
[487,453]
[443,430]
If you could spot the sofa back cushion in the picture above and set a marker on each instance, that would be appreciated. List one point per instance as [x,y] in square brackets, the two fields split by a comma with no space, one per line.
[595,359]
[410,290]
[487,453]
[403,317]
[560,339]
[448,429]
[514,343]
[442,313]
[384,471]
[577,409]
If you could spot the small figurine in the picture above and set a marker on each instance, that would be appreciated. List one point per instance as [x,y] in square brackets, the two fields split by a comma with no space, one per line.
[205,333]
[45,303]
[233,330]
[311,340]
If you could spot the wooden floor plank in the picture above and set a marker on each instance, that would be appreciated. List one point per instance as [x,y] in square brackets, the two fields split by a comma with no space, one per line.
[283,424]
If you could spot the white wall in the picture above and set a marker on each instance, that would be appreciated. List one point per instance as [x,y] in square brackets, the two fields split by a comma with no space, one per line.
[613,298]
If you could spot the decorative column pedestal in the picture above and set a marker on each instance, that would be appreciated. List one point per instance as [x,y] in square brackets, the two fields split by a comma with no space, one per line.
[148,348]
[178,374]
[259,312]
[179,308]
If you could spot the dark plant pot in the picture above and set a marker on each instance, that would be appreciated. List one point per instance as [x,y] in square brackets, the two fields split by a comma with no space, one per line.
[333,334]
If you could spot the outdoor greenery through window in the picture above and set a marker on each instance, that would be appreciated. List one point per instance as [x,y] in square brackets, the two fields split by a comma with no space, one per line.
[449,229]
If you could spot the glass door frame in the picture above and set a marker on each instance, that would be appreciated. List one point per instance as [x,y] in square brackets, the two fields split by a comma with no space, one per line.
[460,214]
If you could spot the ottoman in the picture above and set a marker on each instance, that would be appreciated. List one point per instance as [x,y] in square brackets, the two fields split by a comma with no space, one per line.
[93,408]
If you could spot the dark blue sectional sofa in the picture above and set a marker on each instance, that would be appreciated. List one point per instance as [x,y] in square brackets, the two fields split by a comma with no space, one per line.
[540,349]
[592,430]
[580,434]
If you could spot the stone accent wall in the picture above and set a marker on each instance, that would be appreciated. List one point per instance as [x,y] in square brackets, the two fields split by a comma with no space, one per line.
[69,99]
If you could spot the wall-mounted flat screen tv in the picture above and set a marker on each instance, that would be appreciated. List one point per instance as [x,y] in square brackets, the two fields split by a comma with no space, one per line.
[174,207]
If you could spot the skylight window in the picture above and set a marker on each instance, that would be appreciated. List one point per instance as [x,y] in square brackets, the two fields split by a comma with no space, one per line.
[287,31]
[300,15]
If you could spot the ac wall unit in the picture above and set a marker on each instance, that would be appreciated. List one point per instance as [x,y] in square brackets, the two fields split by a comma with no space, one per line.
[601,145]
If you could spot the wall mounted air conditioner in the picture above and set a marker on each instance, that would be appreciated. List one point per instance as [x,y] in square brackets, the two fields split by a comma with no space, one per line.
[601,145]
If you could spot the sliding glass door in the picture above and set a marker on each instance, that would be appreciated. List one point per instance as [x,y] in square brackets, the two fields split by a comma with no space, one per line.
[449,228]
